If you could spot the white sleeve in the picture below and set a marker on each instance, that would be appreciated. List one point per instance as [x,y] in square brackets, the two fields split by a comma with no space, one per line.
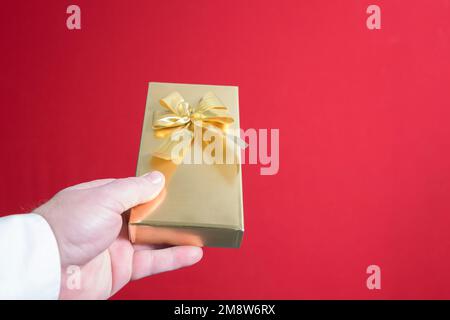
[29,258]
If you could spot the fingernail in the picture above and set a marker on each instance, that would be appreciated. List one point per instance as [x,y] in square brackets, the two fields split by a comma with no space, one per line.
[155,177]
[196,254]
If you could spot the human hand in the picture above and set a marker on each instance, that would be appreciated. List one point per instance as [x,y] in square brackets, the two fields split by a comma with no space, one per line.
[87,222]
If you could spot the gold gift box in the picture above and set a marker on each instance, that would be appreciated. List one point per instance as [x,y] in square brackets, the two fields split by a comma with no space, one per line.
[202,203]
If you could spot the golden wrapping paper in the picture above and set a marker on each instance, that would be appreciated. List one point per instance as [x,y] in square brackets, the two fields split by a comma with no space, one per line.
[201,203]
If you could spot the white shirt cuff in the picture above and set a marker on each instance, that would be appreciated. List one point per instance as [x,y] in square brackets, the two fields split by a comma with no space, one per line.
[30,266]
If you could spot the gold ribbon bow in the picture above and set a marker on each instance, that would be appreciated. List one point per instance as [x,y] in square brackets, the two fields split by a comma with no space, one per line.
[180,118]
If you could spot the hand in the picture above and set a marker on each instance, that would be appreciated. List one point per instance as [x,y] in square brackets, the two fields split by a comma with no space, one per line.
[90,231]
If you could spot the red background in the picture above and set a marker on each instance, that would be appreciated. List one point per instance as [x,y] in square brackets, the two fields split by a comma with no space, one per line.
[363,116]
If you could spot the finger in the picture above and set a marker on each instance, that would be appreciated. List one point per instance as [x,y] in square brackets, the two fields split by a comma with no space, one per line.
[148,262]
[121,253]
[123,194]
[90,184]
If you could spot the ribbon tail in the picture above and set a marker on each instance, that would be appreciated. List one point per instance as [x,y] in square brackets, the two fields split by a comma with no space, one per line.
[176,146]
[234,144]
[237,140]
[231,144]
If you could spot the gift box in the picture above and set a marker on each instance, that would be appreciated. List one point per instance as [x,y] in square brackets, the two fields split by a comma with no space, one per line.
[202,201]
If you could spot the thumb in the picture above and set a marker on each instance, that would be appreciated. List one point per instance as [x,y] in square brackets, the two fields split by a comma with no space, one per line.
[123,194]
